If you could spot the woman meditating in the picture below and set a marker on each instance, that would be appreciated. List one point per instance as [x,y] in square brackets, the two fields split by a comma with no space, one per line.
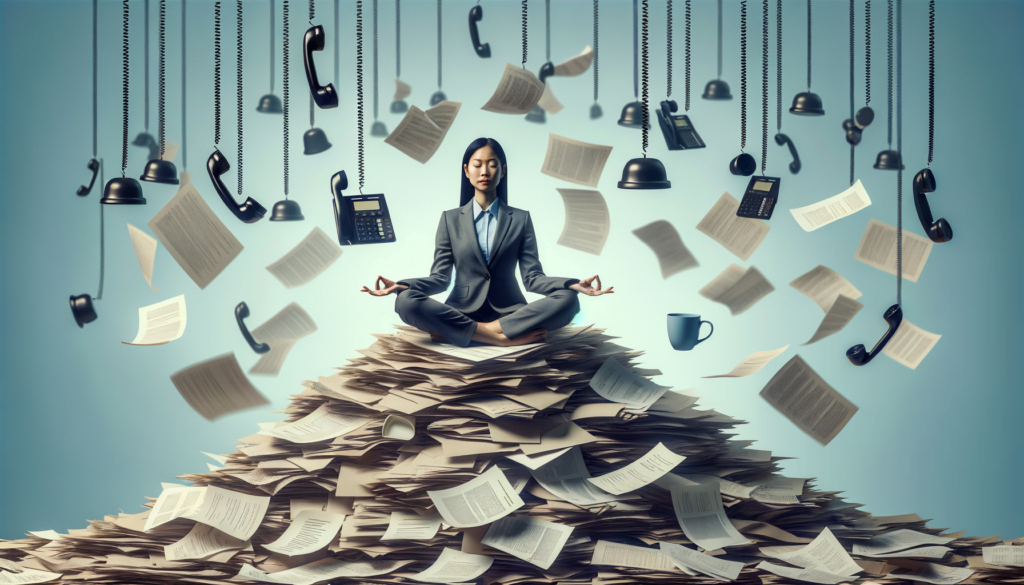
[483,240]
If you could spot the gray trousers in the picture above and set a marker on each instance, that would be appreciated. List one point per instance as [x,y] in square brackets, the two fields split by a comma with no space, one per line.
[424,313]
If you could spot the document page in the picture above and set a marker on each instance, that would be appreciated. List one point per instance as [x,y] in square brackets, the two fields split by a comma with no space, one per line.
[237,514]
[518,91]
[548,102]
[739,235]
[174,502]
[1003,555]
[197,240]
[566,477]
[323,570]
[575,161]
[216,387]
[809,575]
[161,323]
[145,250]
[307,260]
[535,541]
[473,353]
[910,344]
[702,517]
[402,90]
[656,463]
[686,558]
[577,65]
[737,289]
[842,311]
[752,363]
[878,248]
[420,133]
[479,501]
[319,425]
[536,461]
[824,553]
[802,396]
[28,576]
[309,531]
[663,239]
[201,542]
[270,363]
[839,206]
[455,566]
[933,573]
[617,384]
[824,285]
[587,221]
[896,540]
[625,555]
[412,526]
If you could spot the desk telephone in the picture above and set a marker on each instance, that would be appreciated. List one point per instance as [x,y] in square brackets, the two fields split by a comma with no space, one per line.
[677,128]
[360,219]
[760,199]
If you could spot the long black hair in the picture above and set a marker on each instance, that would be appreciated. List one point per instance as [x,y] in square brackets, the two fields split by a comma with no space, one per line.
[467,192]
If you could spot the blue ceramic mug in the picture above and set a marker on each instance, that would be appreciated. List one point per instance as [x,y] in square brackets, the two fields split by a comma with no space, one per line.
[683,330]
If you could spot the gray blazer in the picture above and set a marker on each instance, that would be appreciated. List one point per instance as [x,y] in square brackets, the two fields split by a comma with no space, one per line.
[478,281]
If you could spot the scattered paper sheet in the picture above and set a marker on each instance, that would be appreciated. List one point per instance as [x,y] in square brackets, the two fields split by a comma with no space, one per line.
[354,480]
[217,387]
[47,534]
[270,363]
[237,514]
[201,542]
[809,575]
[802,396]
[824,554]
[535,541]
[536,461]
[548,102]
[319,425]
[412,526]
[566,477]
[752,363]
[575,66]
[322,570]
[587,221]
[663,239]
[824,285]
[518,91]
[625,555]
[161,323]
[330,503]
[402,90]
[737,289]
[479,501]
[567,434]
[184,178]
[516,431]
[399,426]
[701,515]
[197,240]
[10,566]
[739,235]
[896,540]
[687,558]
[575,161]
[617,384]
[28,576]
[281,331]
[842,311]
[878,248]
[839,206]
[474,353]
[910,344]
[925,552]
[1003,555]
[420,133]
[308,532]
[933,573]
[170,150]
[656,463]
[307,260]
[145,250]
[455,566]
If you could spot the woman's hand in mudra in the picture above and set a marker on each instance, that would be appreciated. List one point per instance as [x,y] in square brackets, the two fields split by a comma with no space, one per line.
[584,286]
[390,286]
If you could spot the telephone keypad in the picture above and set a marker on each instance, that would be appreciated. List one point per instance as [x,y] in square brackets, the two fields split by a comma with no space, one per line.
[372,226]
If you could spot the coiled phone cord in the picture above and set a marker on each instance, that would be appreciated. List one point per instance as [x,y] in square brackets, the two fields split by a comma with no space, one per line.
[646,112]
[635,80]
[439,45]
[595,51]
[668,56]
[184,142]
[899,150]
[239,90]
[889,122]
[524,33]
[161,115]
[764,86]
[146,63]
[271,46]
[375,60]
[284,88]
[359,89]
[808,45]
[337,43]
[931,81]
[867,52]
[778,66]
[94,69]
[851,87]
[686,67]
[743,75]
[124,87]
[216,75]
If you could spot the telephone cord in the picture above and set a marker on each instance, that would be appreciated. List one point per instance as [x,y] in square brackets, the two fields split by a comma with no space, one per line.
[439,45]
[398,38]
[595,51]
[359,89]
[889,121]
[778,66]
[184,142]
[216,74]
[547,30]
[162,76]
[852,32]
[239,91]
[271,46]
[931,81]
[808,45]
[899,150]
[867,52]
[524,33]
[124,88]
[145,62]
[312,110]
[646,113]
[94,70]
[764,86]
[284,89]
[719,39]
[375,108]
[103,251]
[686,67]
[635,79]
[668,36]
[743,75]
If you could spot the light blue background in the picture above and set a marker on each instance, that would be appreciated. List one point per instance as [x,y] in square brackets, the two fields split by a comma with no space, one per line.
[90,426]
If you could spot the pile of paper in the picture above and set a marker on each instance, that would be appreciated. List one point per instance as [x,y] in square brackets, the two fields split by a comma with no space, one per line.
[559,462]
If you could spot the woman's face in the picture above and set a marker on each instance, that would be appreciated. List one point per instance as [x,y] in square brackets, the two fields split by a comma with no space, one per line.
[484,170]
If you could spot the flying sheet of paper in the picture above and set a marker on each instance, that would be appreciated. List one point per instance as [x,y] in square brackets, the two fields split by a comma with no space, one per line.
[587,221]
[625,555]
[28,576]
[739,235]
[197,240]
[839,206]
[910,344]
[270,363]
[575,66]
[535,541]
[174,502]
[842,311]
[536,461]
[216,387]
[656,463]
[824,285]
[737,289]
[480,501]
[809,575]
[201,542]
[281,332]
[308,532]
[824,553]
[307,260]
[319,425]
[161,323]
[548,102]
[1003,555]
[701,515]
[878,248]
[402,90]
[237,514]
[47,534]
[617,384]
[663,239]
[184,178]
[752,363]
[933,573]
[575,161]
[145,250]
[685,557]
[455,566]
[896,540]
[170,150]
[399,426]
[323,570]
[517,92]
[420,133]
[566,477]
[412,526]
[802,396]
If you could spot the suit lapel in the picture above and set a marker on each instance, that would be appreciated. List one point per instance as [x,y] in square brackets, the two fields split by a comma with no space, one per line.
[504,221]
[469,229]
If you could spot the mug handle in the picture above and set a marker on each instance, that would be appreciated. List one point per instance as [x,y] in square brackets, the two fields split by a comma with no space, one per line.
[709,333]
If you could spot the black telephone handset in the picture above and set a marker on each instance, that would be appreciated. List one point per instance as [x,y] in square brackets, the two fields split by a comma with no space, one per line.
[677,128]
[546,70]
[241,312]
[938,231]
[856,354]
[146,140]
[94,166]
[781,139]
[360,219]
[325,97]
[476,14]
[250,211]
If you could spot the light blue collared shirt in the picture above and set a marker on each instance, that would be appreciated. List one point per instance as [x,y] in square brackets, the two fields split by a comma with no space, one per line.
[485,220]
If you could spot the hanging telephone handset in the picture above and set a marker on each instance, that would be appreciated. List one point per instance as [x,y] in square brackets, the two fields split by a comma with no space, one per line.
[94,166]
[360,219]
[679,132]
[546,70]
[782,139]
[250,211]
[146,140]
[856,354]
[241,312]
[859,122]
[939,231]
[476,14]
[743,165]
[325,96]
